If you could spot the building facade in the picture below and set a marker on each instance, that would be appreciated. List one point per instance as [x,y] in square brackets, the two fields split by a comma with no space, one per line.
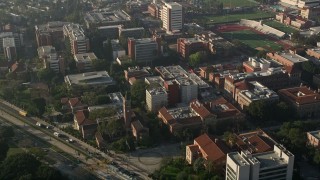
[172,16]
[79,43]
[156,98]
[188,46]
[144,50]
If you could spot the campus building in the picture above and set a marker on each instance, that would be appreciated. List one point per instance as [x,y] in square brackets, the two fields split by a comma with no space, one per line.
[51,59]
[276,164]
[9,49]
[48,34]
[84,61]
[105,17]
[305,101]
[314,138]
[79,43]
[156,98]
[188,46]
[135,33]
[172,16]
[256,64]
[96,78]
[144,50]
[314,52]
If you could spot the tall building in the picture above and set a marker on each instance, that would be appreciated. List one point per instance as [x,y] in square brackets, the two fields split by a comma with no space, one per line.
[276,164]
[188,89]
[172,16]
[144,50]
[47,34]
[156,98]
[79,43]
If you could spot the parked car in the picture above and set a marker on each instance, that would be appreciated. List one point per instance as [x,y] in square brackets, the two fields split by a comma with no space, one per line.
[56,134]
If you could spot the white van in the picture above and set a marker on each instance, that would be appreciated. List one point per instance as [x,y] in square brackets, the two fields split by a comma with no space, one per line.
[56,134]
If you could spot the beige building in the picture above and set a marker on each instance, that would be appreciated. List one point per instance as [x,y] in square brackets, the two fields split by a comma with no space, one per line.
[156,98]
[314,138]
[172,16]
[84,61]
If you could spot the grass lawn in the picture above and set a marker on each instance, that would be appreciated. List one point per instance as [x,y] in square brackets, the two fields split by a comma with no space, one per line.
[280,26]
[252,39]
[14,150]
[214,19]
[237,3]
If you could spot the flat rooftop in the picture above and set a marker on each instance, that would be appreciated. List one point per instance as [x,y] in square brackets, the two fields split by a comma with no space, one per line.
[317,50]
[157,91]
[293,57]
[105,16]
[90,78]
[182,112]
[192,40]
[85,57]
[46,50]
[154,80]
[116,98]
[75,31]
[183,81]
[259,92]
[238,159]
[8,42]
[268,159]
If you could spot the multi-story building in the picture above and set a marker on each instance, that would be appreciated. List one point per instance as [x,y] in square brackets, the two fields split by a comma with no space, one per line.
[109,32]
[314,138]
[117,49]
[308,3]
[188,46]
[314,52]
[209,148]
[256,64]
[287,59]
[9,49]
[172,16]
[48,34]
[217,44]
[258,92]
[50,58]
[134,73]
[144,50]
[305,101]
[79,43]
[84,61]
[156,98]
[135,33]
[18,39]
[173,91]
[105,17]
[97,78]
[188,89]
[155,10]
[310,12]
[276,164]
[290,2]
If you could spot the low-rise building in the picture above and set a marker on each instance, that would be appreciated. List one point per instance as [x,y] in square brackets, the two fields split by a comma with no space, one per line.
[310,12]
[135,33]
[256,64]
[314,138]
[84,61]
[287,59]
[109,32]
[50,33]
[105,17]
[188,46]
[305,101]
[138,130]
[314,52]
[211,149]
[134,73]
[258,92]
[276,164]
[96,78]
[117,49]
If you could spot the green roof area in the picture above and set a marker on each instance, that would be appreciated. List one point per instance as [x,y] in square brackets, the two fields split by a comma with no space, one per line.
[238,3]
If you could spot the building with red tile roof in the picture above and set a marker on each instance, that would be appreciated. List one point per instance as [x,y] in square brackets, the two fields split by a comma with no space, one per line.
[211,149]
[305,101]
[82,123]
[138,130]
[255,142]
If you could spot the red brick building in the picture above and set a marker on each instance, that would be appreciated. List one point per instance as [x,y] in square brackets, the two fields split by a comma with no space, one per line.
[188,46]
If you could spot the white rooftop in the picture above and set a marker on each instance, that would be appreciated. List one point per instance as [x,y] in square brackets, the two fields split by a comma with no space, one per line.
[90,78]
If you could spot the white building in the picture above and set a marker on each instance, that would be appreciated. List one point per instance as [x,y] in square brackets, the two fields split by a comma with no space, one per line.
[156,98]
[188,89]
[308,3]
[9,48]
[50,58]
[276,164]
[78,41]
[172,16]
[96,78]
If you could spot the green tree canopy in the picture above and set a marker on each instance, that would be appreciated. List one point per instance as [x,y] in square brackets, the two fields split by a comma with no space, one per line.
[3,149]
[195,59]
[138,93]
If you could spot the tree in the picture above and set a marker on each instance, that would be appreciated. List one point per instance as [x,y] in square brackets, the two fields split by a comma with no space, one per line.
[138,93]
[49,173]
[316,158]
[46,75]
[40,104]
[198,165]
[195,59]
[230,138]
[102,99]
[18,165]
[6,132]
[109,51]
[99,64]
[114,127]
[3,149]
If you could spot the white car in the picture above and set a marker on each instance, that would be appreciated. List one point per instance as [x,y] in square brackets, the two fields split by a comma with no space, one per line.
[56,134]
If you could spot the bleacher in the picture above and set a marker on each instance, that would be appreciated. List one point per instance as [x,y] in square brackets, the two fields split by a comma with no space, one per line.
[262,28]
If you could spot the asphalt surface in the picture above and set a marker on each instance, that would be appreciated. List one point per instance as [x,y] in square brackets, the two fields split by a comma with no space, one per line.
[92,158]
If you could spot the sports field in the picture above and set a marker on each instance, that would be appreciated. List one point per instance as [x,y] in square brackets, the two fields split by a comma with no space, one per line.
[252,39]
[216,19]
[280,26]
[237,3]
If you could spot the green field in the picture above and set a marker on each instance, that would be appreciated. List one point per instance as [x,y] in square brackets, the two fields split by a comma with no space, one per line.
[280,26]
[252,39]
[237,3]
[216,19]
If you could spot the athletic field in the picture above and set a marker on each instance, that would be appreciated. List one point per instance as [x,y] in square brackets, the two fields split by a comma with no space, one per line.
[252,39]
[280,26]
[237,3]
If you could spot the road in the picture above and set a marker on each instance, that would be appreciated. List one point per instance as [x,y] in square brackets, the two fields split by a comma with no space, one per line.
[80,150]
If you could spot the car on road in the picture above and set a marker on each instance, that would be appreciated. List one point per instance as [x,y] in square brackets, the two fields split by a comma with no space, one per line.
[49,127]
[70,140]
[56,134]
[39,124]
